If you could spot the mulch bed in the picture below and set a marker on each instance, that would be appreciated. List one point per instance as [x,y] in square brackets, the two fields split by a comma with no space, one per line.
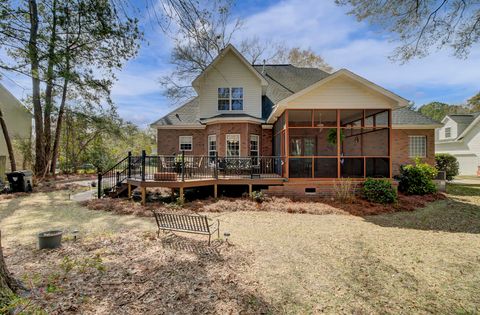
[358,207]
[137,273]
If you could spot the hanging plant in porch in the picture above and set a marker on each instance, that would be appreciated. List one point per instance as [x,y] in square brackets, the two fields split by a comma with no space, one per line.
[332,136]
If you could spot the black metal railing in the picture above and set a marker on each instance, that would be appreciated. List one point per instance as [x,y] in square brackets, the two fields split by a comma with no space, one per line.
[184,167]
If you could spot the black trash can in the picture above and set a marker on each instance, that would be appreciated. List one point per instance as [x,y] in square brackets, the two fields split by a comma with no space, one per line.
[20,181]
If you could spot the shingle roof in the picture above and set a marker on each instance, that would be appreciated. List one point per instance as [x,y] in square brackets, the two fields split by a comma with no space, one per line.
[187,114]
[406,116]
[283,81]
[465,119]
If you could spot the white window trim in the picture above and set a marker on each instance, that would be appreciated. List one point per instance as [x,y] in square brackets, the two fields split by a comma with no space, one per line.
[449,132]
[258,146]
[409,146]
[208,145]
[230,99]
[239,143]
[180,143]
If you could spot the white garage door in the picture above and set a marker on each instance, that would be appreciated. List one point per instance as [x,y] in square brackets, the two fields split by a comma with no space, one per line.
[468,164]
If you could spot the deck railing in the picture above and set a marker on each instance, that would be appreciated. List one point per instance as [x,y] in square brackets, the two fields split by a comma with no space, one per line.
[183,167]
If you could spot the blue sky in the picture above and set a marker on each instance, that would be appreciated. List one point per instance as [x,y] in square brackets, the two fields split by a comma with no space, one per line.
[319,25]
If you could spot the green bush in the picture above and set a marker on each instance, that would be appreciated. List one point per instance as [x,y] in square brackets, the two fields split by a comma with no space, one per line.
[379,190]
[258,196]
[447,163]
[417,179]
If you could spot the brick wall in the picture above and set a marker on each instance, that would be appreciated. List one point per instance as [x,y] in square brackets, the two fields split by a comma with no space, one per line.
[400,146]
[168,138]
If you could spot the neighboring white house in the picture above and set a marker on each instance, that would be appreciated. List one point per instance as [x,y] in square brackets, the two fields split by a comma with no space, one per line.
[19,125]
[460,136]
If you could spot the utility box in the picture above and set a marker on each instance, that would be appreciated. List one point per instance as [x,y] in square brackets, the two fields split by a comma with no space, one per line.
[20,181]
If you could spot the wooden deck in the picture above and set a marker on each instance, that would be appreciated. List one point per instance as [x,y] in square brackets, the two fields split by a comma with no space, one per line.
[191,183]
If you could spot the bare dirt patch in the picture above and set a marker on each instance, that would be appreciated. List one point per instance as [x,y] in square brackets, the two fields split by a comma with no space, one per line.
[136,273]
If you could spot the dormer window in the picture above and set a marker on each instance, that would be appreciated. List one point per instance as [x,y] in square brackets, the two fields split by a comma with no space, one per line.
[230,98]
[448,132]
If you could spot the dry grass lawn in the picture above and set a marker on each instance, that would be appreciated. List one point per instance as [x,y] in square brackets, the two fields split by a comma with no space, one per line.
[422,262]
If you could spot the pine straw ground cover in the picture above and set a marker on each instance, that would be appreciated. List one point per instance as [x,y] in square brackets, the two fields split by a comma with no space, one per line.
[357,207]
[136,273]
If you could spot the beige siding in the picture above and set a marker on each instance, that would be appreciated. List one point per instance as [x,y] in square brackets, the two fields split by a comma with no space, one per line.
[230,71]
[18,121]
[342,93]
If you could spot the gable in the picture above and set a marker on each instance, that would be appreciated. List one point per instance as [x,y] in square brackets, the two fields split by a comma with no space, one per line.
[228,72]
[342,92]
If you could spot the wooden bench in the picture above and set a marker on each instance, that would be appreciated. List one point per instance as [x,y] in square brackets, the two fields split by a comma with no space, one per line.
[197,224]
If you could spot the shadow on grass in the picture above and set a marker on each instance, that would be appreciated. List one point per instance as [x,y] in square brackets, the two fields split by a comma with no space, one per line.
[450,215]
[463,190]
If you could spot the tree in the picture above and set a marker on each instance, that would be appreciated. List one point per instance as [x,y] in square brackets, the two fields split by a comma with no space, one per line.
[8,285]
[8,141]
[201,30]
[304,58]
[70,50]
[437,110]
[420,25]
[474,103]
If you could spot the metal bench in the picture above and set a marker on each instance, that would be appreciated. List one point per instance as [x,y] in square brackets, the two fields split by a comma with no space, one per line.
[196,224]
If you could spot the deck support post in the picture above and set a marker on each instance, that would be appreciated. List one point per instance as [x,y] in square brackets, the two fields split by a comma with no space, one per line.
[181,194]
[129,191]
[144,195]
[215,191]
[250,189]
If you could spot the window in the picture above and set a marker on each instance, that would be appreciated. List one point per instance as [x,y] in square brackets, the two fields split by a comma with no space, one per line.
[230,98]
[418,146]
[186,143]
[448,132]
[233,145]
[254,144]
[212,148]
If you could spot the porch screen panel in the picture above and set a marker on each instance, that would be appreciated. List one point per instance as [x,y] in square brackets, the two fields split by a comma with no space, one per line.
[300,168]
[300,118]
[352,167]
[378,167]
[326,167]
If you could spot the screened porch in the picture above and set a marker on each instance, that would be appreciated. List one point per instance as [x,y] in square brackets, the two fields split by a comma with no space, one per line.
[334,143]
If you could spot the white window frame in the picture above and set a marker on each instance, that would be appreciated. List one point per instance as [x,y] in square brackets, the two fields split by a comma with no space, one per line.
[231,99]
[239,144]
[257,139]
[210,138]
[449,133]
[180,142]
[414,146]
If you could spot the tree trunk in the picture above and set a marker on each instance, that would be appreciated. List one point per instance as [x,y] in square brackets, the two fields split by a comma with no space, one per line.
[58,130]
[37,106]
[8,285]
[47,119]
[8,141]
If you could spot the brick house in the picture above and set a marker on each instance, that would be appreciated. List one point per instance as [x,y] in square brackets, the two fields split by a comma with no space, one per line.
[299,128]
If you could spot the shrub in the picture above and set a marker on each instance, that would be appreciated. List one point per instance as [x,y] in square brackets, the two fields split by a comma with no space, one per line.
[417,179]
[447,163]
[379,190]
[344,190]
[258,196]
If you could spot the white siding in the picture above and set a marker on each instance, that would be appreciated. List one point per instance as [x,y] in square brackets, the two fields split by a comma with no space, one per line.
[468,164]
[342,93]
[449,123]
[230,71]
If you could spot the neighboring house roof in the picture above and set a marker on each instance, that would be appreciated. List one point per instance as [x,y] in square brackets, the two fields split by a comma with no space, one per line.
[465,123]
[12,100]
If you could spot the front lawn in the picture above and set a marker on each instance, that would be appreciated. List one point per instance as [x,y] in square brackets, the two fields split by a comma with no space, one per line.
[424,261]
